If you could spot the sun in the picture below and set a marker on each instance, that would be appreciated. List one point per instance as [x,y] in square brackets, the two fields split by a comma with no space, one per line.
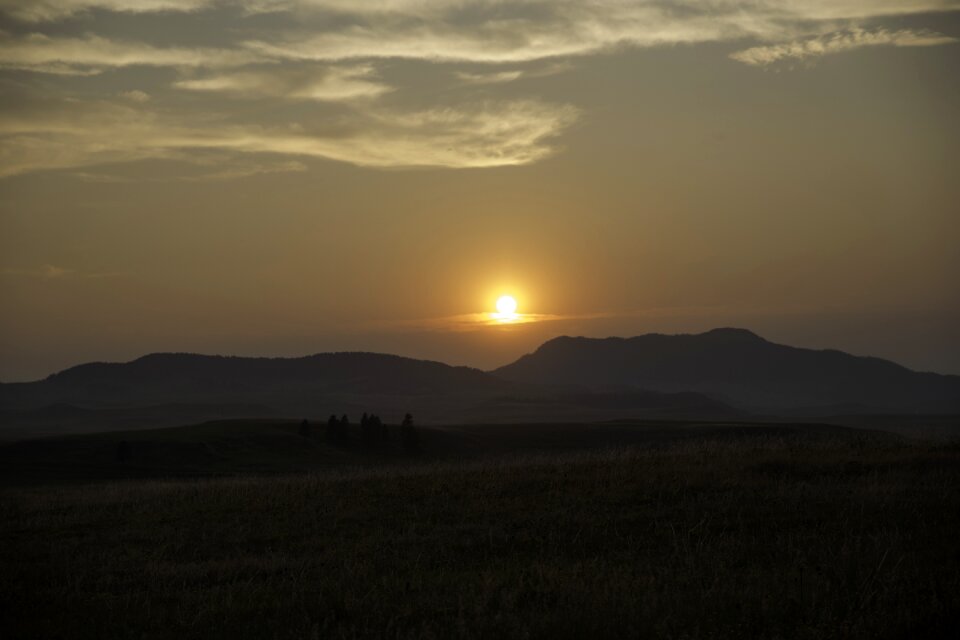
[507,305]
[506,309]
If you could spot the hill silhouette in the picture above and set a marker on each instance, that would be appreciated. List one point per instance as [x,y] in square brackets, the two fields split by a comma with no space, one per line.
[169,389]
[741,368]
[182,377]
[719,375]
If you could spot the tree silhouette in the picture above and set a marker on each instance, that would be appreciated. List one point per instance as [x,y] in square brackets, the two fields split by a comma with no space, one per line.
[379,428]
[409,437]
[368,430]
[343,429]
[333,429]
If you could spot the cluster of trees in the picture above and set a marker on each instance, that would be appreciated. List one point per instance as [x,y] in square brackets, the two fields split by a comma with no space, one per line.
[372,431]
[338,429]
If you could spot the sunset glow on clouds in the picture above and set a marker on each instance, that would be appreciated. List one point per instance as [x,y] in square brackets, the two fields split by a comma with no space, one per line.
[839,43]
[338,52]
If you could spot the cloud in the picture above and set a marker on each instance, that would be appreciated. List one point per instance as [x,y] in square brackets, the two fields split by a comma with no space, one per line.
[69,134]
[475,322]
[330,84]
[500,32]
[838,43]
[235,168]
[497,77]
[49,10]
[487,135]
[329,51]
[135,96]
[479,31]
[434,9]
[91,54]
[511,75]
[505,41]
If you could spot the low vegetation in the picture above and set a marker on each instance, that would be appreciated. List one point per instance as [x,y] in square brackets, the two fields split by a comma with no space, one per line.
[770,536]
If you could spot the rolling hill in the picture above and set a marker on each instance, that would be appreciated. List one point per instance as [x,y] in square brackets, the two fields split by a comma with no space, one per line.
[739,367]
[181,377]
[724,374]
[175,389]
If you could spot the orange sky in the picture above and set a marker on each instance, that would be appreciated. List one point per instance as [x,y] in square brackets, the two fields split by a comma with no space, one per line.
[284,177]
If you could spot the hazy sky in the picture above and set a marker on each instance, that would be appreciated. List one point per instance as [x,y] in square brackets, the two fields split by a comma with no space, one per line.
[282,177]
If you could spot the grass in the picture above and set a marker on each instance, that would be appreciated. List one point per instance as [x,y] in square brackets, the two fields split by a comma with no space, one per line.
[778,536]
[244,447]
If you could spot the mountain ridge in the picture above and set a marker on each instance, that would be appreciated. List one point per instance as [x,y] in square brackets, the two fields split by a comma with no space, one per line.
[724,373]
[739,367]
[162,378]
[170,389]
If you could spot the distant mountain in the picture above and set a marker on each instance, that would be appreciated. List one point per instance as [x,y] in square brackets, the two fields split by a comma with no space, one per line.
[164,378]
[741,368]
[719,375]
[169,389]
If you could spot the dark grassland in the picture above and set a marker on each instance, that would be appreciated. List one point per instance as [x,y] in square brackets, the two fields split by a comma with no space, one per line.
[779,535]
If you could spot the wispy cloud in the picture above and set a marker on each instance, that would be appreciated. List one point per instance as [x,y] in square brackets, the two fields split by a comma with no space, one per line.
[478,31]
[334,51]
[324,84]
[838,43]
[475,322]
[496,133]
[488,135]
[91,54]
[487,31]
[496,77]
[511,75]
[235,168]
[498,32]
[508,41]
[135,95]
[48,10]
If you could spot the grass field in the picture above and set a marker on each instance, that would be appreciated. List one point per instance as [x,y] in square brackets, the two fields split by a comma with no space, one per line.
[244,447]
[754,534]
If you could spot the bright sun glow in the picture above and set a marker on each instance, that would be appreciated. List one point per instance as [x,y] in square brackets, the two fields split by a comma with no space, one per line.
[506,308]
[506,305]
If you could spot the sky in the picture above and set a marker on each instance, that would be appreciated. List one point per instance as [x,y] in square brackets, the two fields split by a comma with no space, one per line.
[286,177]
